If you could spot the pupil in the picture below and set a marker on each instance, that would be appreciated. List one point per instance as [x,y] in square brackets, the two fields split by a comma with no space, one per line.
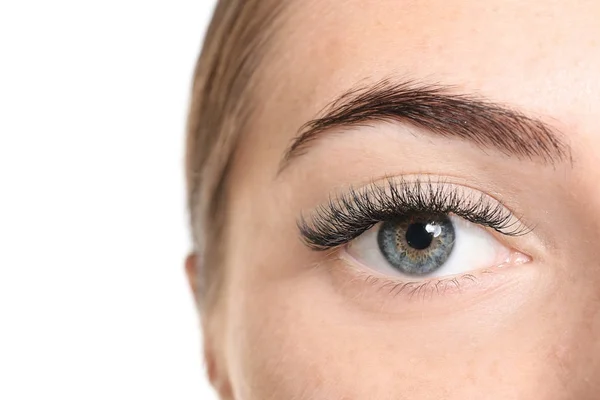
[418,237]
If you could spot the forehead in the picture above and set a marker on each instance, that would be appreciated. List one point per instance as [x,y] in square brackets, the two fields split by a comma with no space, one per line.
[537,55]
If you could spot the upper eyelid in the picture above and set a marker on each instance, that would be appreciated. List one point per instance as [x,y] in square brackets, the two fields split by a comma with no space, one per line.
[493,194]
[372,195]
[377,186]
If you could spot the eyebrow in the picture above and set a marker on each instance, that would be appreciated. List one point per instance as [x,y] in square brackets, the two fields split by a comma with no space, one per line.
[441,112]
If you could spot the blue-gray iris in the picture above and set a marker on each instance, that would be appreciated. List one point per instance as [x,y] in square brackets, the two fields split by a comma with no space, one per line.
[417,245]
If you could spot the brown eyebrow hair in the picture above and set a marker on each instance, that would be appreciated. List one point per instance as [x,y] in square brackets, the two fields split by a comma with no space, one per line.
[440,111]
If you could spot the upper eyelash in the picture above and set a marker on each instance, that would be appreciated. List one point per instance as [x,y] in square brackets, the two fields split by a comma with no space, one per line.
[347,216]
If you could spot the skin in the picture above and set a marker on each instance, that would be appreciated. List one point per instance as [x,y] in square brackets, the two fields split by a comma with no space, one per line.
[292,323]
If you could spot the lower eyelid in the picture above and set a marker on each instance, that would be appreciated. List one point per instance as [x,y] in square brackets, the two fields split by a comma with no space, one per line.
[381,293]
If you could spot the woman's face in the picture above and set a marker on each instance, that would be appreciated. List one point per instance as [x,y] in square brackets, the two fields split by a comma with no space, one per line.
[437,236]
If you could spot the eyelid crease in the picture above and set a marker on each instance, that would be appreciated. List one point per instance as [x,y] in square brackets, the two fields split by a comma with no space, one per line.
[346,216]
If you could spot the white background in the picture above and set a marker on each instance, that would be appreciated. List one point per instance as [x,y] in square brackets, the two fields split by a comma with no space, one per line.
[93,230]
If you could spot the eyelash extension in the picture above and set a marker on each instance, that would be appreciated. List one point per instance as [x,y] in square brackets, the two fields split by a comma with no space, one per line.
[347,216]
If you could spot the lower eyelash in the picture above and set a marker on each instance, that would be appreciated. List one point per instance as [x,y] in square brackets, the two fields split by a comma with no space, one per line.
[423,288]
[347,216]
[420,290]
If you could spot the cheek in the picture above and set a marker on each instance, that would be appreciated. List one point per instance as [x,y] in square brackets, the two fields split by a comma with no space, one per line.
[299,337]
[277,345]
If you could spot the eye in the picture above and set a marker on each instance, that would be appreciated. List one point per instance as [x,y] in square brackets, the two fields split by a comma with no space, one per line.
[416,229]
[428,245]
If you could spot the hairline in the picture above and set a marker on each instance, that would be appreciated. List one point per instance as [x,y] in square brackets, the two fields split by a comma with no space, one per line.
[236,44]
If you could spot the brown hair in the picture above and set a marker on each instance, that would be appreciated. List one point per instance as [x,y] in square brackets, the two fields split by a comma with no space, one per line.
[235,44]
